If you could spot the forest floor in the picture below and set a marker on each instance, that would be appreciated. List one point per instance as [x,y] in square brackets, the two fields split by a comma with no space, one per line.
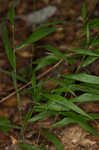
[72,136]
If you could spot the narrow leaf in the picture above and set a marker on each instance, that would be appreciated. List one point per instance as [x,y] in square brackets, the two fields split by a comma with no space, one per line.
[52,23]
[5,124]
[83,78]
[54,51]
[48,60]
[82,122]
[36,36]
[11,12]
[94,23]
[87,97]
[7,45]
[41,115]
[18,77]
[95,42]
[86,52]
[84,13]
[87,33]
[88,61]
[65,103]
[63,122]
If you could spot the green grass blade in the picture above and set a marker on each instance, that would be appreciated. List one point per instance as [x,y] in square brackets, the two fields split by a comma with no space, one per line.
[84,88]
[48,60]
[63,122]
[94,116]
[33,80]
[87,34]
[28,147]
[94,23]
[28,115]
[53,50]
[88,60]
[61,101]
[76,87]
[82,122]
[53,139]
[7,45]
[86,52]
[87,97]
[87,127]
[5,125]
[84,12]
[41,115]
[83,78]
[52,23]
[51,106]
[18,77]
[11,12]
[95,42]
[36,36]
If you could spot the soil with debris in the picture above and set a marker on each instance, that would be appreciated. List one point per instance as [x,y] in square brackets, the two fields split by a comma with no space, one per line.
[72,137]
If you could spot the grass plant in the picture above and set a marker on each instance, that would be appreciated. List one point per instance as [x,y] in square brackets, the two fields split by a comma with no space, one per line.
[55,101]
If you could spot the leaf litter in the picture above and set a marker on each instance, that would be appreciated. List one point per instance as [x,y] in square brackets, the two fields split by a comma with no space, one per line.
[73,137]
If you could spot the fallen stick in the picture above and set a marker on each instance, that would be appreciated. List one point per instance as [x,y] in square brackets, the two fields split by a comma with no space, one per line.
[38,78]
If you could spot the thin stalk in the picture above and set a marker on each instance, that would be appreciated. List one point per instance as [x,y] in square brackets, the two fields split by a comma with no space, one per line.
[14,75]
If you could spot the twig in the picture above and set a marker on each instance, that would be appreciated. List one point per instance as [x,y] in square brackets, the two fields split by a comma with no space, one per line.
[38,78]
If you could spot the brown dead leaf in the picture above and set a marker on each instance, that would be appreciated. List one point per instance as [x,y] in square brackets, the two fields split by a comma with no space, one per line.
[50,85]
[10,102]
[6,112]
[13,102]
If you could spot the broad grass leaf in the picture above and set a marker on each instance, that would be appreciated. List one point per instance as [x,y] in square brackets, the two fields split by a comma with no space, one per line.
[86,97]
[53,139]
[61,101]
[9,51]
[36,36]
[83,78]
